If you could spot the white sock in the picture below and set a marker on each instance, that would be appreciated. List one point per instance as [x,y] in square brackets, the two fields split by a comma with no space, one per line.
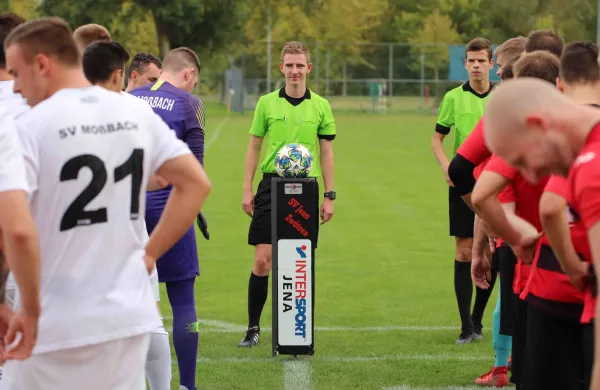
[158,361]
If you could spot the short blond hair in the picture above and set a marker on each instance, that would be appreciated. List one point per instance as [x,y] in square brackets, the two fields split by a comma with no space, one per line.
[511,48]
[295,47]
[89,33]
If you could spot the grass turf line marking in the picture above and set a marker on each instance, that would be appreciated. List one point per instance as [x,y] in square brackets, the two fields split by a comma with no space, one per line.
[297,375]
[227,327]
[347,359]
[216,133]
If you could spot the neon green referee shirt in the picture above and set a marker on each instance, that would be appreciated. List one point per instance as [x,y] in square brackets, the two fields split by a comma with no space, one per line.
[286,120]
[462,107]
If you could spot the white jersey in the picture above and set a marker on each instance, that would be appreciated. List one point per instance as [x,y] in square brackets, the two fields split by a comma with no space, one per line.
[88,155]
[12,166]
[135,100]
[14,103]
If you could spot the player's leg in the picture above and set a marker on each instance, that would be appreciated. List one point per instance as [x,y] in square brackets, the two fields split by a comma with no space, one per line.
[498,375]
[259,235]
[587,339]
[158,361]
[519,339]
[481,300]
[185,329]
[258,291]
[506,268]
[463,286]
[553,356]
[461,228]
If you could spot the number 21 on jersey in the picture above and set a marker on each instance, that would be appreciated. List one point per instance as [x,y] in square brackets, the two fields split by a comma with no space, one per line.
[76,215]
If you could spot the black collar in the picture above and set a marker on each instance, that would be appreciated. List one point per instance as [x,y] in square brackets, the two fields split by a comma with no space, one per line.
[467,88]
[294,101]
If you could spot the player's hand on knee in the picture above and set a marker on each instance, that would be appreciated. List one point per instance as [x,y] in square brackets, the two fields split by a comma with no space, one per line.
[326,211]
[21,336]
[248,202]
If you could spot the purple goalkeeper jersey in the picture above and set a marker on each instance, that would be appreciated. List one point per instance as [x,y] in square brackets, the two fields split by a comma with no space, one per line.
[184,114]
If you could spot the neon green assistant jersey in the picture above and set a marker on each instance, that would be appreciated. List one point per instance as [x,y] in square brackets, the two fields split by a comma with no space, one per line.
[462,107]
[283,120]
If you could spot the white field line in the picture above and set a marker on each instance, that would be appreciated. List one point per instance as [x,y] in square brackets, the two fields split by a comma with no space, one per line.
[297,375]
[227,327]
[349,359]
[215,134]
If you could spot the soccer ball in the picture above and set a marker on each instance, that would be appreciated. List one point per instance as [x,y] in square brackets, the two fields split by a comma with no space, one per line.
[293,160]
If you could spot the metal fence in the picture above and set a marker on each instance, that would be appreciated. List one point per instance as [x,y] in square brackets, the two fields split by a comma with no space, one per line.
[361,76]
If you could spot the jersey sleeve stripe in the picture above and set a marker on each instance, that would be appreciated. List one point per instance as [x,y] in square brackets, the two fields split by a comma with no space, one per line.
[198,110]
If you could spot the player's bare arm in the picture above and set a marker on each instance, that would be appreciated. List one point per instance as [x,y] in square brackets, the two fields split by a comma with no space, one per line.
[487,206]
[156,182]
[20,247]
[190,188]
[437,146]
[553,216]
[252,156]
[485,201]
[480,265]
[327,169]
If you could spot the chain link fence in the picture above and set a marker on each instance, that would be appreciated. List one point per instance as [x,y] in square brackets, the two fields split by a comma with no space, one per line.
[370,77]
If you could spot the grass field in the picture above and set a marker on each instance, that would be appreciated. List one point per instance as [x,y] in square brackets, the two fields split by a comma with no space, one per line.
[385,310]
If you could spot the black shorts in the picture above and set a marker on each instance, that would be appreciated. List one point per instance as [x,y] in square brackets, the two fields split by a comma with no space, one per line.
[506,267]
[260,226]
[587,339]
[553,346]
[461,216]
[519,339]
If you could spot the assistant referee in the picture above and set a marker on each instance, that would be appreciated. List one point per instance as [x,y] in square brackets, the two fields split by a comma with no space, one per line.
[292,114]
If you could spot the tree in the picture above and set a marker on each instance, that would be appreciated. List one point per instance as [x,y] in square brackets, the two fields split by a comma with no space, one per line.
[319,24]
[208,23]
[25,8]
[436,33]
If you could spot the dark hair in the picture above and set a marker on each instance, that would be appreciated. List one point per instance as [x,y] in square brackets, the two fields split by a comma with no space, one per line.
[101,59]
[539,64]
[478,44]
[546,40]
[579,63]
[181,58]
[8,21]
[141,60]
[47,35]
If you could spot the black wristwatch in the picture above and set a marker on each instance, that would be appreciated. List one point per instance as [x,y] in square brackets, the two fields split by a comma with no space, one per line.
[330,195]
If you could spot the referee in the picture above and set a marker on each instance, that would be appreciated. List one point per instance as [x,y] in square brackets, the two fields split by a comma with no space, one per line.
[293,114]
[461,108]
